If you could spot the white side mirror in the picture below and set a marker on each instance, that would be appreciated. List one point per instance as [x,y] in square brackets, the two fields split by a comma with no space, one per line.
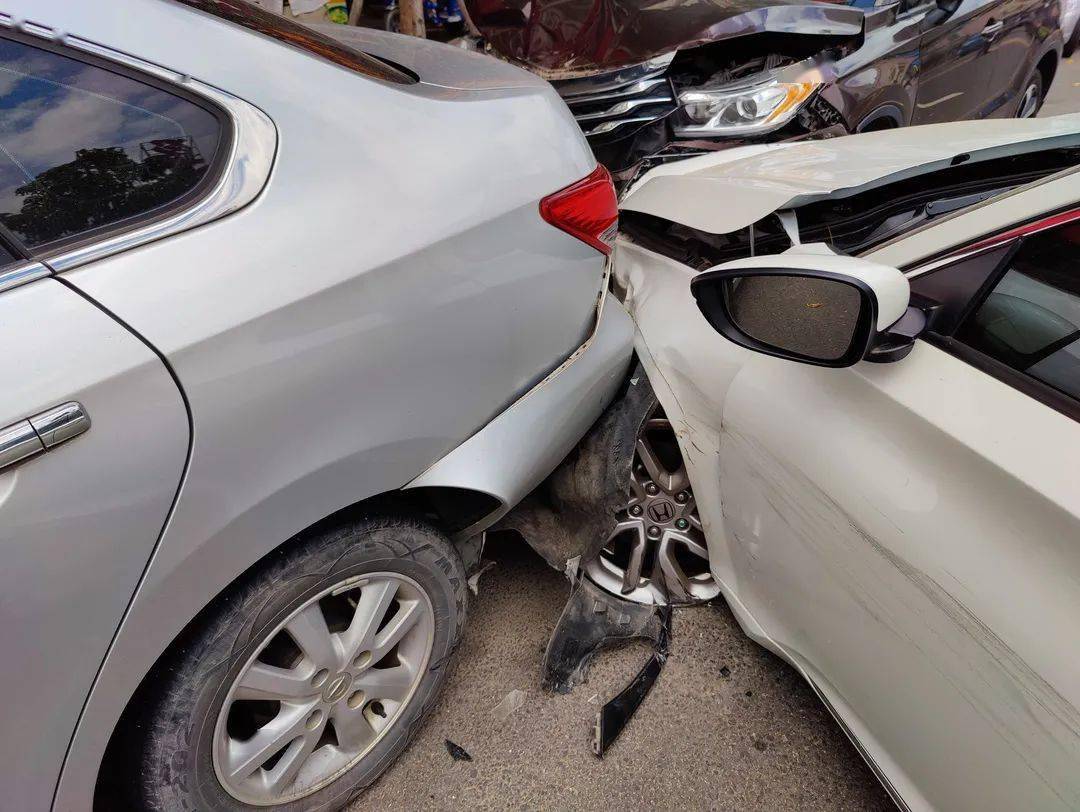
[817,308]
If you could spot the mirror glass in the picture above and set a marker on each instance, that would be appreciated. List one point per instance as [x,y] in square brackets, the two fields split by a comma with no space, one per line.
[809,316]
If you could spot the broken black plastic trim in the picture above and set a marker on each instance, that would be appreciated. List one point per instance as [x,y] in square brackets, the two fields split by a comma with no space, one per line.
[591,621]
[457,752]
[615,714]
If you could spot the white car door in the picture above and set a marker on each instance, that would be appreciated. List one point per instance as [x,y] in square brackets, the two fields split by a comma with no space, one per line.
[906,533]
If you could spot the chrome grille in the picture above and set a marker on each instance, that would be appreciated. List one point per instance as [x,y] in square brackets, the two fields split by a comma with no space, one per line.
[610,102]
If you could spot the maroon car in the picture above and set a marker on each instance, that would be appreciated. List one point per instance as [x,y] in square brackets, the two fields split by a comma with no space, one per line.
[649,79]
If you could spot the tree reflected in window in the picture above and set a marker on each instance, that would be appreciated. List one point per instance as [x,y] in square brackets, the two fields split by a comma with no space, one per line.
[102,186]
[82,147]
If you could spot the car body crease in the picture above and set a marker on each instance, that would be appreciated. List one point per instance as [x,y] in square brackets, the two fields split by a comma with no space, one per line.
[168,516]
[1024,680]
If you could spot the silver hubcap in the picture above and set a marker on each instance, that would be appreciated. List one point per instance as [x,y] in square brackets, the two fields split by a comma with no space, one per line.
[1030,102]
[323,688]
[656,552]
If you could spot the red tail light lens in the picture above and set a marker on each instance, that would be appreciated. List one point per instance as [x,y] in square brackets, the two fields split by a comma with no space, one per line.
[587,210]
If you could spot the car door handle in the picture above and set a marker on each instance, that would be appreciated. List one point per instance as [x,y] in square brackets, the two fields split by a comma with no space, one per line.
[993,29]
[41,432]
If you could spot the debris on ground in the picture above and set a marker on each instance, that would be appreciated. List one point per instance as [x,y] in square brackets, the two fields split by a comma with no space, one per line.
[725,672]
[457,752]
[474,579]
[509,704]
[615,715]
[592,620]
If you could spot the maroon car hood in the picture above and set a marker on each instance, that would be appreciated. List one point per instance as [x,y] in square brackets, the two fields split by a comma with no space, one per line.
[587,36]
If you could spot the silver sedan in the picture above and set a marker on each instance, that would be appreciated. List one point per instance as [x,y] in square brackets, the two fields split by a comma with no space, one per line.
[285,325]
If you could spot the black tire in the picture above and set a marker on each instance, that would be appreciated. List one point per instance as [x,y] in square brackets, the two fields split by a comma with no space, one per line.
[392,21]
[177,771]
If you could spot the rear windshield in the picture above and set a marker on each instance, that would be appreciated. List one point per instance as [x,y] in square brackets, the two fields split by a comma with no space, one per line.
[283,30]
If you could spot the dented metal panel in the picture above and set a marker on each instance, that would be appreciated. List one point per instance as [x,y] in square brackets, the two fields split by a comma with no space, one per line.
[569,516]
[587,36]
[724,192]
[503,459]
[903,533]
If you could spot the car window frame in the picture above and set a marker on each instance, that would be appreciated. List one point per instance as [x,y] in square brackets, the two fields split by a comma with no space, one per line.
[1011,241]
[215,169]
[13,246]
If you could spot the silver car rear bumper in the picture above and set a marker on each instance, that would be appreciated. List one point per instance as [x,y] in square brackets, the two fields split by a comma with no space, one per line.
[513,453]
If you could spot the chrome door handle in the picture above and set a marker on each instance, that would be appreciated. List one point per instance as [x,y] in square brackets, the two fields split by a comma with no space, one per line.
[17,442]
[41,432]
[993,29]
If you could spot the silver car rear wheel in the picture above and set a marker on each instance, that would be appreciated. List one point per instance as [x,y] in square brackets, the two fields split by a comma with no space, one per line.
[323,688]
[656,552]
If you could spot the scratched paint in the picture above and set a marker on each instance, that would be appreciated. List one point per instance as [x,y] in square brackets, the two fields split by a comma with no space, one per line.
[950,650]
[906,605]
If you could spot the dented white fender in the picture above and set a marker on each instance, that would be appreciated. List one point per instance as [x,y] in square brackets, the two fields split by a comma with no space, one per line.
[904,534]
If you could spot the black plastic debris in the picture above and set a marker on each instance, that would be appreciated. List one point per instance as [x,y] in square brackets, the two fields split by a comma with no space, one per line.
[457,752]
[613,717]
[725,672]
[592,620]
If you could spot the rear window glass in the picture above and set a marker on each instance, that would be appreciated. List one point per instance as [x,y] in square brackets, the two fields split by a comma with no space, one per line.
[82,147]
[283,30]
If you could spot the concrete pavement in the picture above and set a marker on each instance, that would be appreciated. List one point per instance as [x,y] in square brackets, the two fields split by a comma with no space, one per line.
[727,725]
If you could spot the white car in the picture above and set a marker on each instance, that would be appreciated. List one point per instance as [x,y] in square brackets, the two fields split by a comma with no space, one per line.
[869,349]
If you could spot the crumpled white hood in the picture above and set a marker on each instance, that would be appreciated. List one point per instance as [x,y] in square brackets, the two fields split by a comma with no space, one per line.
[732,189]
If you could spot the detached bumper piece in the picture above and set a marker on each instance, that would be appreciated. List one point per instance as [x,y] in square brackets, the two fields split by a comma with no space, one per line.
[613,717]
[591,621]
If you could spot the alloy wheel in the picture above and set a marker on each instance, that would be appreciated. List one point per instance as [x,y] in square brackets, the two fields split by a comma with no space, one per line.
[323,688]
[1029,103]
[656,552]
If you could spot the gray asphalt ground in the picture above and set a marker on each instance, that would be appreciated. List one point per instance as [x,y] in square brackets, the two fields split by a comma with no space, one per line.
[727,725]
